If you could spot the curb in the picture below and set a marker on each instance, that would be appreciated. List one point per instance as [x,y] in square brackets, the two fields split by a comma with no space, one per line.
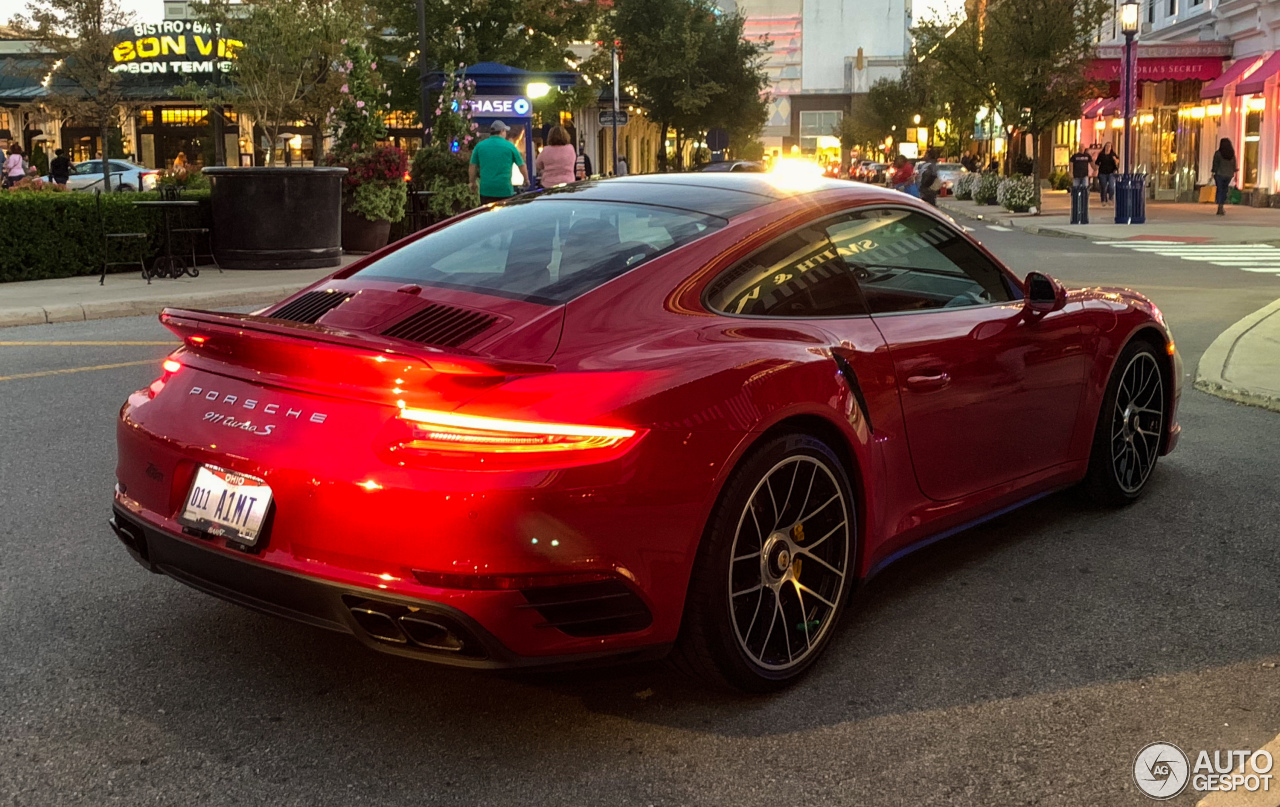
[1027,225]
[1213,363]
[77,312]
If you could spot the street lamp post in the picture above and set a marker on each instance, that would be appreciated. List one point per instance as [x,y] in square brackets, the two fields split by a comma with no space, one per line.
[424,68]
[1129,25]
[1126,212]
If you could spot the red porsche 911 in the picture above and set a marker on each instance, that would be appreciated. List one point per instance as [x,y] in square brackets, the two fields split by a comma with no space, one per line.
[648,415]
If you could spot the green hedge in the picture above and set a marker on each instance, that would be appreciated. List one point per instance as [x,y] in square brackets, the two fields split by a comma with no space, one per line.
[48,234]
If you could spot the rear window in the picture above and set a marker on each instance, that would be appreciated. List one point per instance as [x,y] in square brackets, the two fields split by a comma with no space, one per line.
[545,250]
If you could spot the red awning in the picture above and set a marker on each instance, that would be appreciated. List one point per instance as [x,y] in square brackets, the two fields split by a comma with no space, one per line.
[1233,74]
[1183,68]
[1254,83]
[1090,110]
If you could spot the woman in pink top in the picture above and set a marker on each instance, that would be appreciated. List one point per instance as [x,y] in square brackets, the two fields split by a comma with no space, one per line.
[556,160]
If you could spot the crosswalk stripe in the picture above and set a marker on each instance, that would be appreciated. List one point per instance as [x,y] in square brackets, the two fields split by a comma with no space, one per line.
[1257,258]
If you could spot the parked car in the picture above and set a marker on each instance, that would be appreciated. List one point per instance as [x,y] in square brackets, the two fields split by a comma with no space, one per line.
[736,166]
[125,176]
[650,414]
[949,173]
[873,173]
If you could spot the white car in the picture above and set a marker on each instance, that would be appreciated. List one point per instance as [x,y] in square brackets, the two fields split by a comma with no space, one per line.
[125,176]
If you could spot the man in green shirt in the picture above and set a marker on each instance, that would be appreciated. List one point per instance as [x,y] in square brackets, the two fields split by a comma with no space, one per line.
[491,162]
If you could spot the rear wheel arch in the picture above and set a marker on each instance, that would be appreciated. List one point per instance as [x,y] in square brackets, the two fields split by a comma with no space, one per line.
[828,432]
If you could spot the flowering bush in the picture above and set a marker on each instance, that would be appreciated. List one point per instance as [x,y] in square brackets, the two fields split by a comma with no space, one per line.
[358,117]
[1017,193]
[35,183]
[184,178]
[374,186]
[440,166]
[965,183]
[984,191]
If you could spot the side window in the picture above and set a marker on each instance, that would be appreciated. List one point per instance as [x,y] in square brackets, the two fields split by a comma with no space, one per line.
[92,167]
[905,261]
[799,275]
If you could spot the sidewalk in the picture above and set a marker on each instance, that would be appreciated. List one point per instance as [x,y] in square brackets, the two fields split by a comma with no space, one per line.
[34,302]
[1243,363]
[1171,221]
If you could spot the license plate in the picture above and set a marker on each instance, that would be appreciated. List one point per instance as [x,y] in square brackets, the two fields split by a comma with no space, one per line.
[227,504]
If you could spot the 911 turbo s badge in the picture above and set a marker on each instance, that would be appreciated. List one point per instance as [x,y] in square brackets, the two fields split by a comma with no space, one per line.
[253,405]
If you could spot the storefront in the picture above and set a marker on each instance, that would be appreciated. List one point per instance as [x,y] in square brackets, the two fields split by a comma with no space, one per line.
[1172,125]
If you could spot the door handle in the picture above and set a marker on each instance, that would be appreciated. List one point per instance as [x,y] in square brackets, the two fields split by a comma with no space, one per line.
[928,382]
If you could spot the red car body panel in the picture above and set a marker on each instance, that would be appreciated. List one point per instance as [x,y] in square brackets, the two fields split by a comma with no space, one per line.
[949,417]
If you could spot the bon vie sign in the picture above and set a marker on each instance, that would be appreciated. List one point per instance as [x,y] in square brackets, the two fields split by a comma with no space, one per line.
[173,46]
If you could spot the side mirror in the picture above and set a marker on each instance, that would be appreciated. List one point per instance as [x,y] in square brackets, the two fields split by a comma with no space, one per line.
[1044,294]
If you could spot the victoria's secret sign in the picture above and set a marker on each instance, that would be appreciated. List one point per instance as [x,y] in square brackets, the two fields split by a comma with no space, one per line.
[173,46]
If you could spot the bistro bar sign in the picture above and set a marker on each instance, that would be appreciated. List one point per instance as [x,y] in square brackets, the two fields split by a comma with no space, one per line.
[173,46]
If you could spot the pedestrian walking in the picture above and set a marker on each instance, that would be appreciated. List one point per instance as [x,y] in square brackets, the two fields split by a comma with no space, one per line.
[903,177]
[557,161]
[492,163]
[1081,164]
[60,167]
[1225,169]
[930,181]
[15,166]
[1107,164]
[582,168]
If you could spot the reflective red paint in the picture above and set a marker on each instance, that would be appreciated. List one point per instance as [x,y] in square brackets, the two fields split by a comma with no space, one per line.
[589,442]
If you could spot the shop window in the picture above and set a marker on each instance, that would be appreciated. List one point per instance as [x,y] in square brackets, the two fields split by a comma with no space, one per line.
[1252,136]
[816,124]
[184,117]
[401,120]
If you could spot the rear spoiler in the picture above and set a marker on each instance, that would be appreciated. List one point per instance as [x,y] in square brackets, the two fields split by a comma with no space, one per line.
[224,337]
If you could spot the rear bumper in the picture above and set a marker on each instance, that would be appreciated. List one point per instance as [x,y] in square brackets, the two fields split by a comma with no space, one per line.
[326,604]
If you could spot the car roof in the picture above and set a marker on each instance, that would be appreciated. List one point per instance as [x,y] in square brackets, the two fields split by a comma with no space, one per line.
[719,193]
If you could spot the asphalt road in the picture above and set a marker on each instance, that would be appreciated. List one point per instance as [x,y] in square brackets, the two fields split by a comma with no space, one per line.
[1022,662]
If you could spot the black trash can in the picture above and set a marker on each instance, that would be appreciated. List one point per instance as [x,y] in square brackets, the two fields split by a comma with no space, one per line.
[1131,199]
[276,217]
[1079,204]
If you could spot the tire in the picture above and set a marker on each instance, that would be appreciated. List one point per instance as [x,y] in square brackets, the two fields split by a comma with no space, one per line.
[1131,424]
[125,189]
[789,565]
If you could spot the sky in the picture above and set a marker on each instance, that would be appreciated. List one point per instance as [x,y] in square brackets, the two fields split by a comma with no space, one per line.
[926,9]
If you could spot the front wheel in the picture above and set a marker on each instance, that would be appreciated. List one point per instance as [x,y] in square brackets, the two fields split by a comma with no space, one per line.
[774,569]
[1126,442]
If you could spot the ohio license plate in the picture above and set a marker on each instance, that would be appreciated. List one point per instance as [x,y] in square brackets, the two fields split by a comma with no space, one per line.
[226,504]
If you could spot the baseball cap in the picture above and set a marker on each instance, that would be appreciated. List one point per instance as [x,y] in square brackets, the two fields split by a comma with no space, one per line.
[498,127]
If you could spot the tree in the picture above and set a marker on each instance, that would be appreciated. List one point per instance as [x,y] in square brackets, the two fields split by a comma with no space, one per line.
[75,39]
[1028,60]
[284,54]
[861,126]
[691,69]
[529,34]
[1044,53]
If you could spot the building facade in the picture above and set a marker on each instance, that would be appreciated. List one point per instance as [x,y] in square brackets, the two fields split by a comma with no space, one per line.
[1206,69]
[822,53]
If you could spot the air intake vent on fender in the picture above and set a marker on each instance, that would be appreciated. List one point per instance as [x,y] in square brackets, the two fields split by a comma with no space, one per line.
[441,325]
[313,305]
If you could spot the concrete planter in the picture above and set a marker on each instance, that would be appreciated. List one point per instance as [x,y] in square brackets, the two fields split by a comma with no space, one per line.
[277,217]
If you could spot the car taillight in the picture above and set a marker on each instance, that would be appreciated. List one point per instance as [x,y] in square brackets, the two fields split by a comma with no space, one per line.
[170,366]
[456,440]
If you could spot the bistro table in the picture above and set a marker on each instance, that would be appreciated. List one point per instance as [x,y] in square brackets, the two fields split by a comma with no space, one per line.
[175,267]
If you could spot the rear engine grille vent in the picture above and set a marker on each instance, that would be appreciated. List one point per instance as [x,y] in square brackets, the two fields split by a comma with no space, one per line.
[313,305]
[590,609]
[442,325]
